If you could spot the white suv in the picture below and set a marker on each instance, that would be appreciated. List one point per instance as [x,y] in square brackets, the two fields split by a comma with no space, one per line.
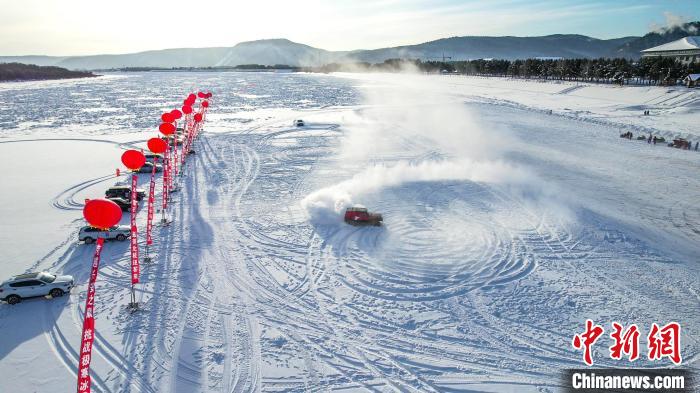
[89,234]
[34,284]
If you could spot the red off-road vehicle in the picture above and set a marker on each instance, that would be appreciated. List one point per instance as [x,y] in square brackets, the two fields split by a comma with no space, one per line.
[360,216]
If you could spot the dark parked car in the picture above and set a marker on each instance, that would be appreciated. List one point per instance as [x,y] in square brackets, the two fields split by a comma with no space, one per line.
[150,157]
[124,192]
[125,204]
[148,168]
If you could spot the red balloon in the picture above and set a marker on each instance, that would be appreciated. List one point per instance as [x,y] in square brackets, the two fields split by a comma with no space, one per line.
[167,117]
[197,117]
[209,95]
[157,145]
[133,159]
[176,113]
[167,128]
[102,213]
[201,94]
[187,109]
[205,104]
[192,97]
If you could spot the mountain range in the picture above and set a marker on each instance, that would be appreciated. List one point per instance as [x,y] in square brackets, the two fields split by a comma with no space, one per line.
[283,51]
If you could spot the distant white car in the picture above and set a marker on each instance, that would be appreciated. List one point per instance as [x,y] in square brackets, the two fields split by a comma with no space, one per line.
[90,234]
[299,123]
[34,284]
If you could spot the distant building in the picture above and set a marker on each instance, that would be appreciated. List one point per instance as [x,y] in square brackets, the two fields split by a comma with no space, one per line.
[692,80]
[686,50]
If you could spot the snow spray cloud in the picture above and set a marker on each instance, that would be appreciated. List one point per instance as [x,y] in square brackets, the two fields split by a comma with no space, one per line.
[327,203]
[417,116]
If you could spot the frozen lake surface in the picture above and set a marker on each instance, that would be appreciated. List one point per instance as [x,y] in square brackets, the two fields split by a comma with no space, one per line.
[506,227]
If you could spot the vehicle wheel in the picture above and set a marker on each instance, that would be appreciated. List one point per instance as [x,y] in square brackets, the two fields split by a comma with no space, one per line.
[121,237]
[13,299]
[56,292]
[89,240]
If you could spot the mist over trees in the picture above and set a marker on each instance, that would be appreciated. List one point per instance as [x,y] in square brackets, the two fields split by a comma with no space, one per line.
[648,70]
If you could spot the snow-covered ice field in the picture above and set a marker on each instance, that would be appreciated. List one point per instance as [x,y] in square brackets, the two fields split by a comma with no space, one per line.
[505,228]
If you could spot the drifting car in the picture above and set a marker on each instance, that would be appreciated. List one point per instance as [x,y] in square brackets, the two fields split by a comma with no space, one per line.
[29,285]
[124,192]
[148,168]
[359,216]
[90,234]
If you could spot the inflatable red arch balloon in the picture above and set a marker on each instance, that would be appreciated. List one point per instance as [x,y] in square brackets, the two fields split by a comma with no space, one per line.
[167,128]
[133,159]
[157,145]
[102,213]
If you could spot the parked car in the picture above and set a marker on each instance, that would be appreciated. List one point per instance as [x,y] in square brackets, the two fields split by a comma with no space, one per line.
[124,192]
[34,284]
[150,157]
[178,140]
[299,123]
[148,168]
[359,216]
[90,234]
[124,204]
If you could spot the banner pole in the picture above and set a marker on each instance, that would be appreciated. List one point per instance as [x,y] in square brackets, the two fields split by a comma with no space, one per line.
[135,269]
[149,218]
[88,332]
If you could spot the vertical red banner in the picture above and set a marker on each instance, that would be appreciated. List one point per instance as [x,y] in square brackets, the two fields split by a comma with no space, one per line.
[165,181]
[134,232]
[175,160]
[88,335]
[151,202]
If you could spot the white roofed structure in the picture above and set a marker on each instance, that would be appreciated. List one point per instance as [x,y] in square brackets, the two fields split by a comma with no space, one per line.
[687,50]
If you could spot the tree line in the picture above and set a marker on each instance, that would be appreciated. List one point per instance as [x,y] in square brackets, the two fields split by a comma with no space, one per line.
[648,70]
[215,68]
[21,72]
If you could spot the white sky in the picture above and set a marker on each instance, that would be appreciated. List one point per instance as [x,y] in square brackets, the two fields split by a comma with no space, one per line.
[77,27]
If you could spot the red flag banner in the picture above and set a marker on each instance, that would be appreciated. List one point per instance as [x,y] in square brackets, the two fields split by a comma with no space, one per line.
[135,268]
[134,233]
[151,202]
[88,336]
[165,181]
[175,160]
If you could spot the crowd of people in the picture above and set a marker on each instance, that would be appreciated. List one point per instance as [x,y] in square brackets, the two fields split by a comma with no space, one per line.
[680,143]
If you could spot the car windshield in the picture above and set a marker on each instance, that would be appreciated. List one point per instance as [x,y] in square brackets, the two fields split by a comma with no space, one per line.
[46,277]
